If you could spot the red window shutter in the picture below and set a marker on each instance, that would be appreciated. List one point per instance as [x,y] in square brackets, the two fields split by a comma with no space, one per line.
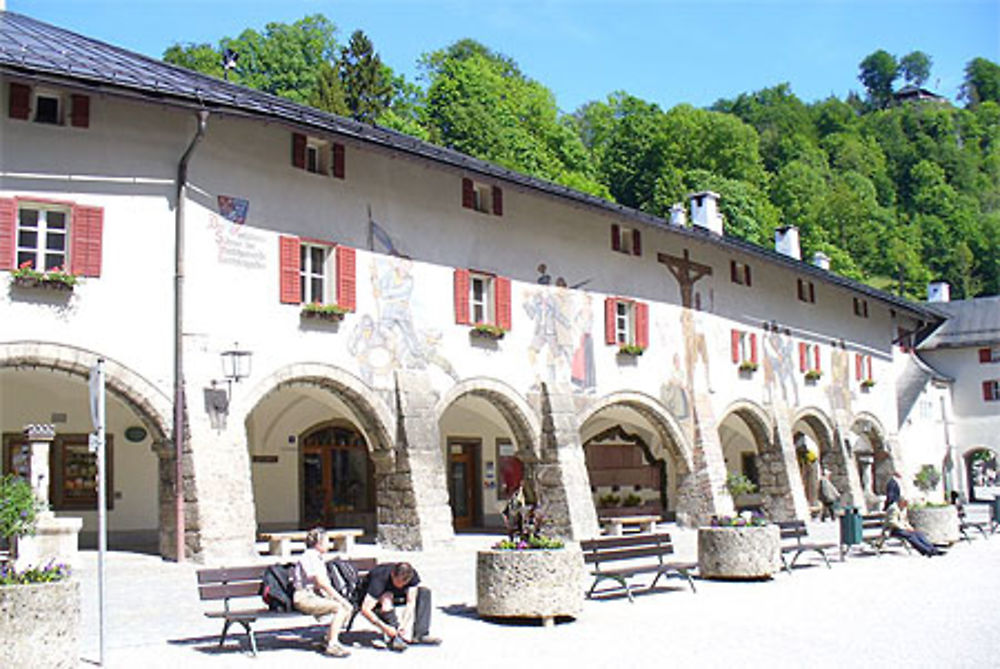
[609,320]
[346,278]
[869,367]
[289,267]
[812,292]
[733,274]
[616,237]
[462,297]
[80,114]
[985,355]
[746,275]
[857,366]
[636,243]
[8,214]
[298,150]
[85,233]
[468,194]
[753,348]
[803,352]
[503,302]
[20,101]
[988,391]
[818,366]
[736,345]
[497,201]
[338,161]
[642,324]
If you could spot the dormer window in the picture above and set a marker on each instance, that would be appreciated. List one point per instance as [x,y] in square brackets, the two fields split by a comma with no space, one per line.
[482,197]
[48,106]
[319,156]
[739,273]
[626,240]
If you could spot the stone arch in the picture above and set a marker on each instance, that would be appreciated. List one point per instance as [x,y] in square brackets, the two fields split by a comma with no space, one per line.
[981,473]
[149,403]
[756,418]
[523,421]
[831,454]
[873,457]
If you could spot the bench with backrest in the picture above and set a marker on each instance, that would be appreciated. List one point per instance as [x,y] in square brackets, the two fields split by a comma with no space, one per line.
[793,535]
[982,523]
[620,558]
[875,533]
[239,590]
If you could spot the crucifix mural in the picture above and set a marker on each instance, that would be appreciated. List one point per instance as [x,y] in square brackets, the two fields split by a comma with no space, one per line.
[687,272]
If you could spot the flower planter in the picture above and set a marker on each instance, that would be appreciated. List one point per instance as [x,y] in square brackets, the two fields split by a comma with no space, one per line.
[739,552]
[41,284]
[40,624]
[331,316]
[488,332]
[939,523]
[545,583]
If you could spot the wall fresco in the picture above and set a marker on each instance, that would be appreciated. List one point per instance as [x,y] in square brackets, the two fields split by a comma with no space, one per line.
[779,368]
[562,343]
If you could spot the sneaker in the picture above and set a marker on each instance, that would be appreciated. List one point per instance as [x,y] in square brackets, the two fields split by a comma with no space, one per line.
[379,643]
[428,640]
[397,644]
[336,650]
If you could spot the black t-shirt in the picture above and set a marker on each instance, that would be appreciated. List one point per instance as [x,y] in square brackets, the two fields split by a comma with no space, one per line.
[380,581]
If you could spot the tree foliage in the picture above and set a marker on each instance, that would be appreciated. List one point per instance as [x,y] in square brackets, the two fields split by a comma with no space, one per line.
[366,83]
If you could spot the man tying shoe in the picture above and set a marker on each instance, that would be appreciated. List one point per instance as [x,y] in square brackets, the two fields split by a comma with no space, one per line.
[384,585]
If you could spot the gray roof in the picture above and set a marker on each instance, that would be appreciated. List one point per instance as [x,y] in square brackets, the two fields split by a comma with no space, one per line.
[35,50]
[974,322]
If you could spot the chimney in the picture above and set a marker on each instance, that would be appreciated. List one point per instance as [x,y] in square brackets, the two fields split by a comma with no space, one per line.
[705,211]
[786,241]
[821,260]
[938,291]
[678,215]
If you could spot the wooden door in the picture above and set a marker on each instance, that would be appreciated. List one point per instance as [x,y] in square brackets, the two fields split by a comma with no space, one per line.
[461,487]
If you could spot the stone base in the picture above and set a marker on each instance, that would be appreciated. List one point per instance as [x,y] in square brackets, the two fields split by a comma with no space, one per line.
[939,523]
[739,552]
[55,540]
[530,584]
[40,625]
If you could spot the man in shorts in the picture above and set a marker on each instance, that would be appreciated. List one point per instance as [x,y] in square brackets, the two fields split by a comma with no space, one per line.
[384,586]
[315,596]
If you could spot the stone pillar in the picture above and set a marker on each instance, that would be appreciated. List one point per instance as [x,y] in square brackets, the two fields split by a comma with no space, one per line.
[785,496]
[39,439]
[561,473]
[701,493]
[412,491]
[843,474]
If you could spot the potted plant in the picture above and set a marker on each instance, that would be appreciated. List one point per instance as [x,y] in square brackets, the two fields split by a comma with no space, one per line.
[867,384]
[745,546]
[813,375]
[633,350]
[487,331]
[25,276]
[748,367]
[39,604]
[325,312]
[528,574]
[937,520]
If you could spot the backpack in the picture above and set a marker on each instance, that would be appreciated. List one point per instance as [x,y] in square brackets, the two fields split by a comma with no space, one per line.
[346,580]
[276,588]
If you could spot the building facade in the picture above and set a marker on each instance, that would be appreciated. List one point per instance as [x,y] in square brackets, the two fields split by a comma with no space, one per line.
[427,331]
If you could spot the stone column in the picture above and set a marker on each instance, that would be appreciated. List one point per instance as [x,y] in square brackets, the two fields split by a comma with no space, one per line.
[39,437]
[843,473]
[785,497]
[702,494]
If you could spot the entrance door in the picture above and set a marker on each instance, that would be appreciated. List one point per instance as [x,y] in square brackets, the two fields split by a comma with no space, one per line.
[337,486]
[462,484]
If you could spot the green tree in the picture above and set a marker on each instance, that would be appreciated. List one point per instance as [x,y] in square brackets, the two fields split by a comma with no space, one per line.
[982,82]
[915,67]
[366,83]
[877,72]
[328,94]
[202,58]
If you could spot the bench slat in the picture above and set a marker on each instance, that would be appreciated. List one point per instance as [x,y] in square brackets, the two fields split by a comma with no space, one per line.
[601,543]
[229,590]
[617,554]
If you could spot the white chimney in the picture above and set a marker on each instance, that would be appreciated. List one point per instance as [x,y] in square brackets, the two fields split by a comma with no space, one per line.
[786,241]
[821,260]
[678,215]
[705,211]
[939,291]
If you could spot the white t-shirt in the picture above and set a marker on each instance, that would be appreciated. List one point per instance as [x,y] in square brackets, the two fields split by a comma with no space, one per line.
[309,565]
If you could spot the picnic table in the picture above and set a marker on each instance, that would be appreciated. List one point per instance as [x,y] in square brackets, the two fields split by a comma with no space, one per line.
[614,525]
[280,543]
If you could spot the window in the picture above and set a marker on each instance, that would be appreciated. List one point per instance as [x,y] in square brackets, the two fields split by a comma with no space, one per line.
[317,272]
[50,235]
[482,299]
[991,390]
[862,367]
[48,106]
[626,322]
[739,273]
[809,358]
[744,348]
[72,469]
[807,292]
[482,197]
[748,465]
[989,354]
[626,240]
[319,156]
[860,307]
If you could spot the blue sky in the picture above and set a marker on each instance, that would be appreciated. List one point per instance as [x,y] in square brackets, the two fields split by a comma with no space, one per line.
[666,51]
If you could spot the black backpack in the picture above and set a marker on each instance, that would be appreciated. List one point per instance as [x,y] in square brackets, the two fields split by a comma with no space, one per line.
[346,580]
[277,588]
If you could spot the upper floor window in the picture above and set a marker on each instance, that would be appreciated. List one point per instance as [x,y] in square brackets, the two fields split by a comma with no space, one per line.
[807,291]
[313,272]
[482,197]
[626,323]
[989,354]
[862,367]
[809,359]
[48,106]
[482,299]
[626,240]
[860,307]
[744,348]
[991,390]
[51,235]
[319,156]
[739,273]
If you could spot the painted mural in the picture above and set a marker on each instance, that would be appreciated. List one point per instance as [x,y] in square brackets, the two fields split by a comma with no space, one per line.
[779,368]
[562,342]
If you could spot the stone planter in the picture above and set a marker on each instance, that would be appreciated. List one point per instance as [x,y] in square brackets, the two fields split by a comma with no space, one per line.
[40,625]
[739,552]
[530,583]
[939,523]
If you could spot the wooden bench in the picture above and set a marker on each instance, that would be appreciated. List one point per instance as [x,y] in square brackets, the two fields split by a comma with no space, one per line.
[986,527]
[615,525]
[280,543]
[792,534]
[236,586]
[876,535]
[635,551]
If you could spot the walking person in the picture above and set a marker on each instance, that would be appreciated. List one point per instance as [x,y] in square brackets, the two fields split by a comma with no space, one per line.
[314,595]
[828,496]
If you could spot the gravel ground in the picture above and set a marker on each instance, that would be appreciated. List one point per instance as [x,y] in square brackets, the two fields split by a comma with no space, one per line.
[895,610]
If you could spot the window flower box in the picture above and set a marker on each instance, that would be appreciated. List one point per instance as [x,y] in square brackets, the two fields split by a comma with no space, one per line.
[748,367]
[630,350]
[487,331]
[867,384]
[323,312]
[54,279]
[813,375]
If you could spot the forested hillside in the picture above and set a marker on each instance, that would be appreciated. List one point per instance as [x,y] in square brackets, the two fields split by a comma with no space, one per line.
[897,192]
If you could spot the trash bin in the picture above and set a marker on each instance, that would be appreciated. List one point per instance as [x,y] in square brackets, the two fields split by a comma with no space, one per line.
[850,527]
[995,509]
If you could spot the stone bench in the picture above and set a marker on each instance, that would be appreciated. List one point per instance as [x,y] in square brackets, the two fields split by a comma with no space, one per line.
[615,525]
[280,543]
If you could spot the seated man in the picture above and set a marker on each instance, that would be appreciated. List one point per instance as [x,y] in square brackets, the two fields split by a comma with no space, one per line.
[383,585]
[899,526]
[314,595]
